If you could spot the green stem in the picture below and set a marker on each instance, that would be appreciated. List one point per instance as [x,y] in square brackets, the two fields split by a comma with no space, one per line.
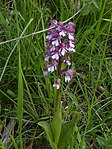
[58,101]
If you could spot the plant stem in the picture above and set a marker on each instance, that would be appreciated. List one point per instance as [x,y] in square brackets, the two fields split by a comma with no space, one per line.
[58,101]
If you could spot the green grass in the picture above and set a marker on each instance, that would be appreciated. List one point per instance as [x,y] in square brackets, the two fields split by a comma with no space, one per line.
[27,97]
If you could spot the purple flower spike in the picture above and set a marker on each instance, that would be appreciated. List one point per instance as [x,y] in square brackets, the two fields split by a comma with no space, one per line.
[60,42]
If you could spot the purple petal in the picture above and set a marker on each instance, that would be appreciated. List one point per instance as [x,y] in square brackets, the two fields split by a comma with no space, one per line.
[71,24]
[54,22]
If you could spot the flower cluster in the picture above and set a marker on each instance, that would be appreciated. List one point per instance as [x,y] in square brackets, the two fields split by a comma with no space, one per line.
[60,42]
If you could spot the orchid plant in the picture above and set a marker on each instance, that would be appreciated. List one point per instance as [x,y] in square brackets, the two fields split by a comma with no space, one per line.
[60,43]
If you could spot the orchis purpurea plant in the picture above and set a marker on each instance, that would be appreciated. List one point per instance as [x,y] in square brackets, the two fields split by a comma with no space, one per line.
[60,43]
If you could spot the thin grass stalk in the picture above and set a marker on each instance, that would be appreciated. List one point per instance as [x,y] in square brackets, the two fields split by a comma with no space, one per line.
[29,94]
[20,101]
[62,10]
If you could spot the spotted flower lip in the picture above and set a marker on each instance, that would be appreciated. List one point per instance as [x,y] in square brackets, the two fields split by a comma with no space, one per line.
[55,56]
[60,43]
[70,36]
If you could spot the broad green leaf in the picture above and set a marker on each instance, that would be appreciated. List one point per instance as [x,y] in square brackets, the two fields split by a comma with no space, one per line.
[96,3]
[67,130]
[56,125]
[48,131]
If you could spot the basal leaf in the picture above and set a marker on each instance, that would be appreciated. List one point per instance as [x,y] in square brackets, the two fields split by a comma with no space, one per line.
[56,125]
[67,130]
[48,131]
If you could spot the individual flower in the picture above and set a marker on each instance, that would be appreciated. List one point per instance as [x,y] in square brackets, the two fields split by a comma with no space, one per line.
[68,75]
[57,85]
[48,54]
[67,60]
[50,67]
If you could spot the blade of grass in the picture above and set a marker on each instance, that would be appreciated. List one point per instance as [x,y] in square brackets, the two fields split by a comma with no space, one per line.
[20,100]
[28,91]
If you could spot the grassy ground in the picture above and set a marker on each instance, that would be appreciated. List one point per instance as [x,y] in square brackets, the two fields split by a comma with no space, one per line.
[26,97]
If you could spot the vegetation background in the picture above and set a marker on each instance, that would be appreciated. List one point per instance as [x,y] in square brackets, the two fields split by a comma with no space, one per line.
[27,98]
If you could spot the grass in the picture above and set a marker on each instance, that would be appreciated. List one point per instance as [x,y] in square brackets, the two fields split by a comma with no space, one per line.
[26,97]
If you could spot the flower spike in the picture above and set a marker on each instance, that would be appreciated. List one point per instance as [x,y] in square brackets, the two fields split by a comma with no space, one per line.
[60,42]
